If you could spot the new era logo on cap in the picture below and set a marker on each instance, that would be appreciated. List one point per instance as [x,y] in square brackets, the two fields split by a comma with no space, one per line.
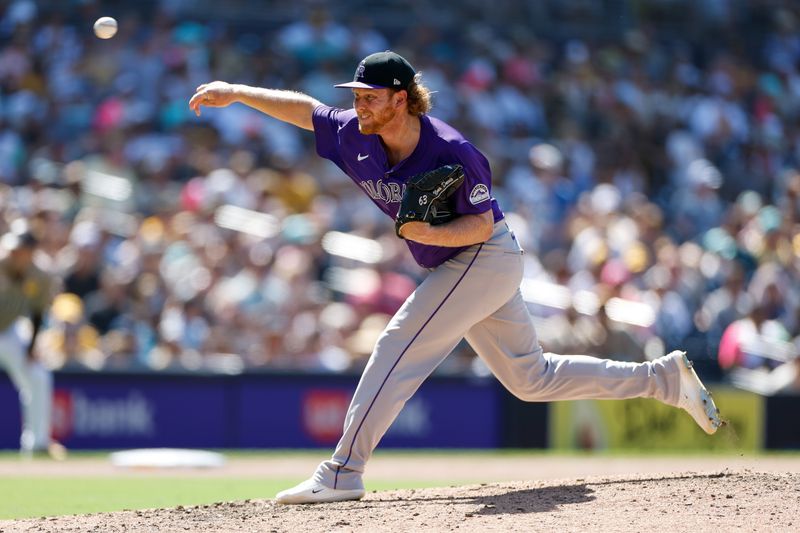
[383,69]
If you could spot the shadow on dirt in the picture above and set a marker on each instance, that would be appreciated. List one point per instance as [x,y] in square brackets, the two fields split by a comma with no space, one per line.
[539,500]
[515,501]
[544,499]
[535,500]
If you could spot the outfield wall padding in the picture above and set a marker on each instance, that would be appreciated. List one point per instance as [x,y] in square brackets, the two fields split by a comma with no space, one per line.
[273,410]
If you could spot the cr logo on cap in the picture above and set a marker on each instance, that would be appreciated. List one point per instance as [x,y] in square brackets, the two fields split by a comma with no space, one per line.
[360,70]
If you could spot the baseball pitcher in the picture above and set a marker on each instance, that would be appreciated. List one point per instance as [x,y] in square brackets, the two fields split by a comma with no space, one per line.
[26,291]
[438,189]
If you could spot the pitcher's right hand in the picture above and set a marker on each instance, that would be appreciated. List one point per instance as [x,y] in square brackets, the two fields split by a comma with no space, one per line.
[214,94]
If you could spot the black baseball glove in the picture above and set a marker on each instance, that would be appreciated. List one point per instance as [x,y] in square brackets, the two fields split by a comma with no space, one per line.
[426,197]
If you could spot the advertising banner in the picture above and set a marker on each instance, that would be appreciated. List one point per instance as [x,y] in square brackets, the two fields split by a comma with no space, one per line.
[646,424]
[123,411]
[310,413]
[113,411]
[784,431]
[10,417]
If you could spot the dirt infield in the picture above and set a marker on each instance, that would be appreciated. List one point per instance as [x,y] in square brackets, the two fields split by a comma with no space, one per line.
[691,502]
[562,493]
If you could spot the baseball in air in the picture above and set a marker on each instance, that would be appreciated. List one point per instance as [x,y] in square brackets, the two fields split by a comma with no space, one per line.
[105,27]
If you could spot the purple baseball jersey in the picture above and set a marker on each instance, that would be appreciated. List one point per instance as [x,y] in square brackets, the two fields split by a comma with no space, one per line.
[363,158]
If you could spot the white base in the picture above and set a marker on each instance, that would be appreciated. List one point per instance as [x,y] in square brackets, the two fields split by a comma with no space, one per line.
[167,458]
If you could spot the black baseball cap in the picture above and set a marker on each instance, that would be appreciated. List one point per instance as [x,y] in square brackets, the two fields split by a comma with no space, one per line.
[382,70]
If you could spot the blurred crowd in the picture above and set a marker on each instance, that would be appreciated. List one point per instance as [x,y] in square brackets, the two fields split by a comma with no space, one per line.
[651,172]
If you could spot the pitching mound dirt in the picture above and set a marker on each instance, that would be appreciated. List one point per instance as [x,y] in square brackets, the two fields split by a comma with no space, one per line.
[721,501]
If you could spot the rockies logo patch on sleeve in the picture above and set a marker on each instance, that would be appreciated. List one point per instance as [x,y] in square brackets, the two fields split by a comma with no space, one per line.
[480,193]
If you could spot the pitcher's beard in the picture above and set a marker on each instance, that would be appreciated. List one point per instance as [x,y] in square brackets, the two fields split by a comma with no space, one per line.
[378,122]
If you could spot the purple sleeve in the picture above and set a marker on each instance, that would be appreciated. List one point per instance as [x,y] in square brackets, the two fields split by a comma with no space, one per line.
[327,121]
[475,195]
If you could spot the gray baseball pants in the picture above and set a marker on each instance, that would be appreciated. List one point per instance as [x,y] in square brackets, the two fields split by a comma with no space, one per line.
[475,296]
[34,384]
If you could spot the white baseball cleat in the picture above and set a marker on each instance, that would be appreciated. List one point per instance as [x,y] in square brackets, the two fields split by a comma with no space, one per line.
[311,491]
[694,398]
